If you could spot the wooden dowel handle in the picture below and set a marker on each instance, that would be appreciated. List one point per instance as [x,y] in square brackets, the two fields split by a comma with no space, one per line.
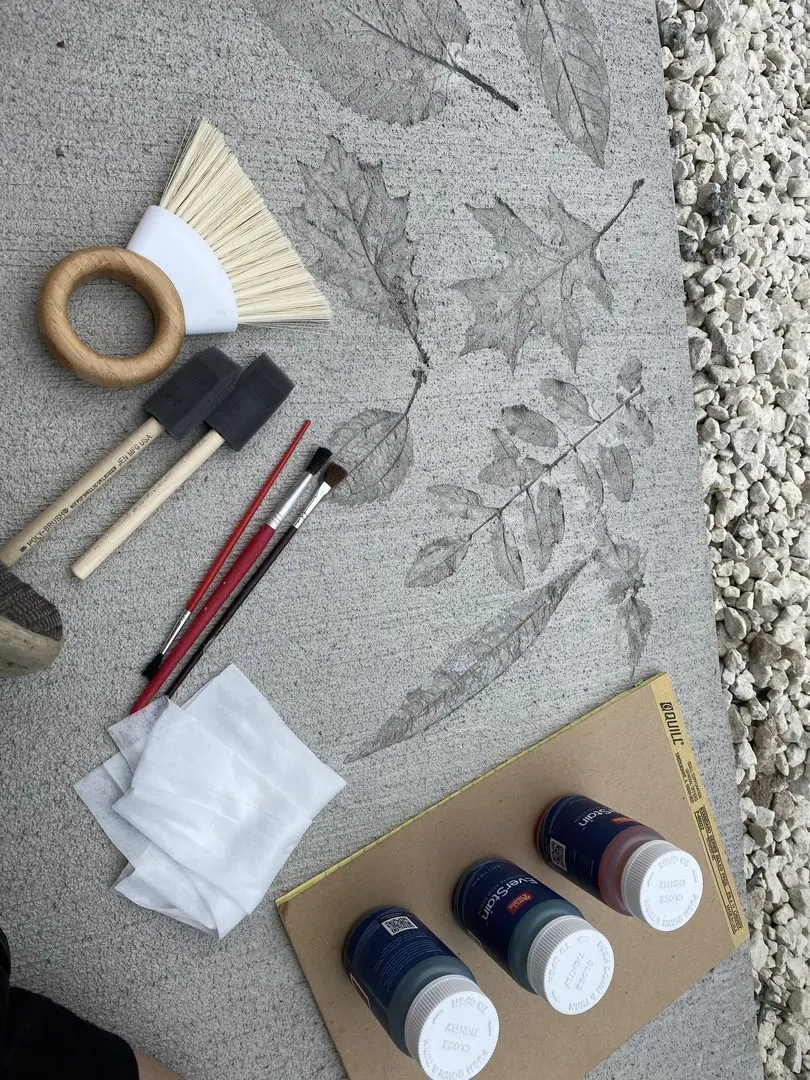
[96,478]
[114,537]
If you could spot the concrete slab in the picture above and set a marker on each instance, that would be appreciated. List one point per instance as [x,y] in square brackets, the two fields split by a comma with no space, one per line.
[477,274]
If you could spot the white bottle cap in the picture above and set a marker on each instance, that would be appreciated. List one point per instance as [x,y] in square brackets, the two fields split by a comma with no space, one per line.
[570,964]
[451,1028]
[662,885]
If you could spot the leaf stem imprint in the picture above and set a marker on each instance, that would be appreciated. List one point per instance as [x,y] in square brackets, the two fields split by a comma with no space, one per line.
[564,64]
[637,184]
[552,30]
[449,65]
[600,422]
[409,318]
[420,377]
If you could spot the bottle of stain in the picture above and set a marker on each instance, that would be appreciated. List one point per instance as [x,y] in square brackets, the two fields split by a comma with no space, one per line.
[536,936]
[627,865]
[426,999]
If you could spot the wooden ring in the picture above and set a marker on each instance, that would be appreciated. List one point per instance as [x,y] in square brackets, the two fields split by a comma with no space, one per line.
[140,274]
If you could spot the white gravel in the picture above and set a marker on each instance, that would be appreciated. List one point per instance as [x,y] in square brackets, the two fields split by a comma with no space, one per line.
[738,93]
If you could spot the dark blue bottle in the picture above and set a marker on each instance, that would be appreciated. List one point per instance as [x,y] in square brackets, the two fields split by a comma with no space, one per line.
[627,865]
[536,936]
[426,999]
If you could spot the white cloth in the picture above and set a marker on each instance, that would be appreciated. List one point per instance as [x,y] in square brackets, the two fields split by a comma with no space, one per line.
[206,802]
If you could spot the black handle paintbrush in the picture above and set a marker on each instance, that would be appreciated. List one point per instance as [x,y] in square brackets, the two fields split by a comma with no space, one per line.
[333,475]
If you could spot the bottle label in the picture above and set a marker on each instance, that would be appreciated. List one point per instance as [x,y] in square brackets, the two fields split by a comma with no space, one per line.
[574,835]
[382,950]
[492,899]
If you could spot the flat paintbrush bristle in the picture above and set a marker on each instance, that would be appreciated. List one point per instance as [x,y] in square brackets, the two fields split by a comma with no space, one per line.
[151,669]
[334,475]
[210,191]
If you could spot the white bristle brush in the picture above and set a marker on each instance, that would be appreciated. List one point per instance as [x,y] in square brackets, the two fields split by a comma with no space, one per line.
[210,257]
[214,238]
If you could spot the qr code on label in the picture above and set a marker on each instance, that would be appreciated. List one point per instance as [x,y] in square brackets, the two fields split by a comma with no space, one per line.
[398,924]
[557,852]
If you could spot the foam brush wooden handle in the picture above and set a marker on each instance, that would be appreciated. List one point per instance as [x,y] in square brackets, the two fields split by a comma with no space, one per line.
[147,505]
[45,522]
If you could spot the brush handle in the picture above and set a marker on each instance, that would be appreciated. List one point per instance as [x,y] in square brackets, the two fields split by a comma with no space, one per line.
[90,483]
[218,598]
[226,549]
[229,613]
[147,504]
[140,274]
[246,518]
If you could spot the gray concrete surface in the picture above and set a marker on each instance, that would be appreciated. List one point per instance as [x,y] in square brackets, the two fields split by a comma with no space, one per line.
[338,639]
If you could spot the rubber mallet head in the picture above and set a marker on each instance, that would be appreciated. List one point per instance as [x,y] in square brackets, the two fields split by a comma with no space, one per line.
[261,389]
[30,628]
[185,400]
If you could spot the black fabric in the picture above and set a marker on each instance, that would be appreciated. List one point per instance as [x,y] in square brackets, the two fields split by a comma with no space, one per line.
[40,1040]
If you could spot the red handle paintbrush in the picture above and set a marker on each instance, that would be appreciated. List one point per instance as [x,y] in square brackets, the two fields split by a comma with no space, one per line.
[226,549]
[333,476]
[243,565]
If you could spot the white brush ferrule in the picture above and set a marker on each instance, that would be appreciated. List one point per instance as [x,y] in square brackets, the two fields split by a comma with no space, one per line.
[170,640]
[209,304]
[319,496]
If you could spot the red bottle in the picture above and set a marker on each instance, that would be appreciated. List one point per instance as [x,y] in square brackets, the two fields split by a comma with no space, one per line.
[627,865]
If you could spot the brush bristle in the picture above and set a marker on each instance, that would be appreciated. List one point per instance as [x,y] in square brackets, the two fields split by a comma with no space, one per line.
[151,669]
[334,475]
[321,456]
[210,191]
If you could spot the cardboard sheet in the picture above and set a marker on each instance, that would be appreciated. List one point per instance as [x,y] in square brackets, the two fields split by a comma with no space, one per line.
[634,754]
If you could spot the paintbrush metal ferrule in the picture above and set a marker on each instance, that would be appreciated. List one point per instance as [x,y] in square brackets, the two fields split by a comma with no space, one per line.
[334,475]
[283,511]
[320,458]
[319,496]
[170,640]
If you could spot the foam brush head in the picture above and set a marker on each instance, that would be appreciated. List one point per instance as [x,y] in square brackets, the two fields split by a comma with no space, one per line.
[193,391]
[262,388]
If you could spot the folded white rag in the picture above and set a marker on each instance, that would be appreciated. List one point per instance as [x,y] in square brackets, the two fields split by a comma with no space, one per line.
[206,802]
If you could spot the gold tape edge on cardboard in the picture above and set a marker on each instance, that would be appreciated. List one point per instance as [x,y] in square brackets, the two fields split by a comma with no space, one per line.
[282,901]
[702,817]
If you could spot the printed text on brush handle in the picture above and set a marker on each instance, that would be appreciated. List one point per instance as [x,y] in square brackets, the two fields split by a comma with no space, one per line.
[92,480]
[143,509]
